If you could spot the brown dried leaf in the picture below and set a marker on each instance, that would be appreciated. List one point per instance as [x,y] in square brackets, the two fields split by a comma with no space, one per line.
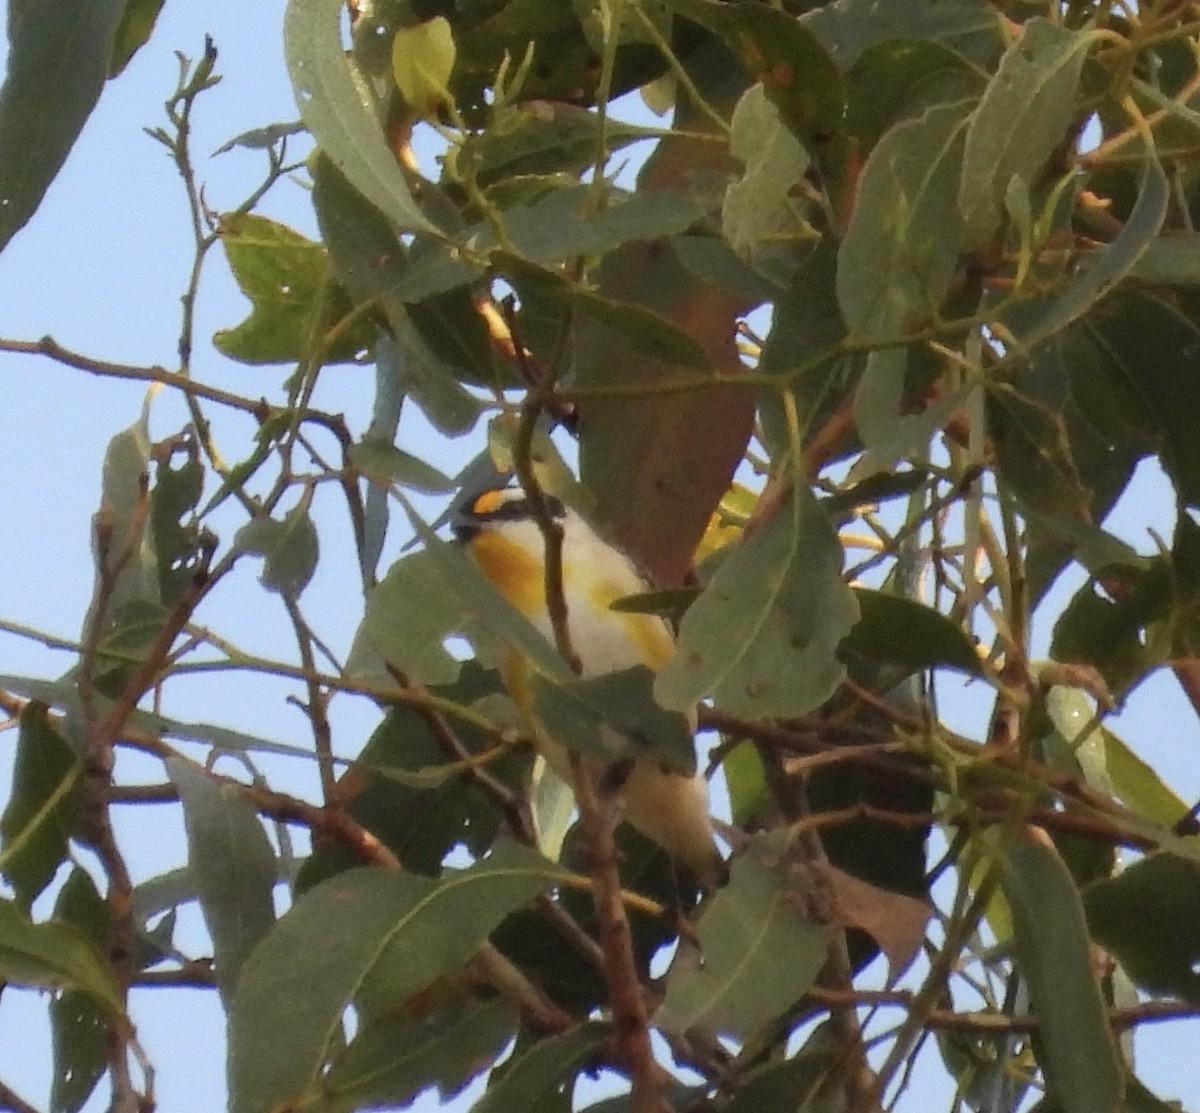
[894,921]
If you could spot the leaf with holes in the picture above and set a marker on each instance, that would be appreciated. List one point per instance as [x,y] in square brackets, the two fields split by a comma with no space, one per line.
[294,300]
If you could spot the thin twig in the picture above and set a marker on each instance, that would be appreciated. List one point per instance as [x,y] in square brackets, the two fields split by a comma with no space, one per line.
[49,347]
[318,703]
[630,1017]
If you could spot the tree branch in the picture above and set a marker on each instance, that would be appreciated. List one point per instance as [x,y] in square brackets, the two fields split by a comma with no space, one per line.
[630,1017]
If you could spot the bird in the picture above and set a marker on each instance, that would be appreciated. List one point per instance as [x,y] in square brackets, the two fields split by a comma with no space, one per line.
[499,528]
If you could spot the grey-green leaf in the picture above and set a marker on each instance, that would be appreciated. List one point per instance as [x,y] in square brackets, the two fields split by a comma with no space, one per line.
[290,547]
[338,108]
[349,927]
[757,205]
[57,66]
[578,711]
[760,951]
[1149,917]
[78,1024]
[37,820]
[538,1076]
[232,865]
[762,637]
[54,956]
[393,1058]
[409,615]
[1100,270]
[901,249]
[1023,115]
[1078,1053]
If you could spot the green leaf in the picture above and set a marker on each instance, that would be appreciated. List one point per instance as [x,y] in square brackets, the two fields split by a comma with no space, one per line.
[762,638]
[889,433]
[1115,635]
[632,327]
[1033,453]
[746,780]
[853,26]
[1169,260]
[337,105]
[394,1058]
[560,226]
[796,71]
[437,925]
[294,301]
[37,821]
[1023,116]
[544,138]
[902,77]
[384,463]
[262,139]
[807,1082]
[1100,270]
[893,630]
[289,546]
[422,61]
[375,266]
[545,1072]
[578,712]
[174,497]
[1076,746]
[57,65]
[757,206]
[124,485]
[78,1025]
[901,249]
[408,617]
[1078,1054]
[484,602]
[421,824]
[1148,335]
[137,22]
[1138,785]
[1149,917]
[232,865]
[54,956]
[760,952]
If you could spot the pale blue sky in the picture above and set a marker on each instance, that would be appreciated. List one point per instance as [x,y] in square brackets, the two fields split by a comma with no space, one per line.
[100,268]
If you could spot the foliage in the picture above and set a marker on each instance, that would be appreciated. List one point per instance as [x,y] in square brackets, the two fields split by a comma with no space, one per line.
[915,281]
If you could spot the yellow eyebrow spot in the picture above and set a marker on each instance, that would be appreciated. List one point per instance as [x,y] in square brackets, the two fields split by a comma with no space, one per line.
[488,502]
[512,569]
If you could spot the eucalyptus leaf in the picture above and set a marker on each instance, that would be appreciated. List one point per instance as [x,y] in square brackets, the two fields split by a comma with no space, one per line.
[762,637]
[545,1072]
[580,710]
[57,64]
[1077,1051]
[54,955]
[1022,117]
[901,249]
[760,951]
[439,925]
[232,865]
[78,1024]
[338,107]
[1148,916]
[289,545]
[37,821]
